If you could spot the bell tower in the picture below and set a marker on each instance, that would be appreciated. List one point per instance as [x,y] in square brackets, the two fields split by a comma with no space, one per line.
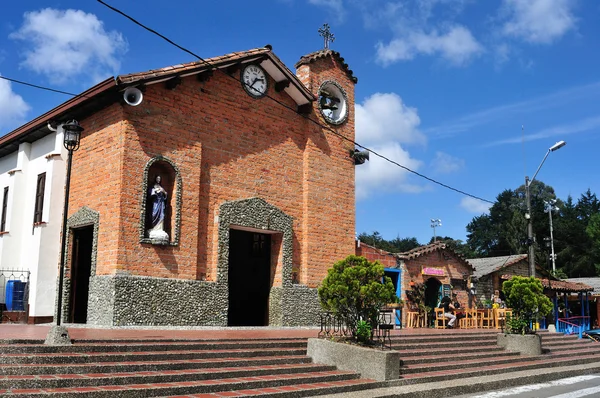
[329,204]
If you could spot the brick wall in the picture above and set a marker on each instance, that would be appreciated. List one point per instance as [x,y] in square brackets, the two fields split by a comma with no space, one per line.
[373,254]
[227,146]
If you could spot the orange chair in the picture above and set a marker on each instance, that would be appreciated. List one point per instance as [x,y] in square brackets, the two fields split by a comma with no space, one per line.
[486,318]
[440,319]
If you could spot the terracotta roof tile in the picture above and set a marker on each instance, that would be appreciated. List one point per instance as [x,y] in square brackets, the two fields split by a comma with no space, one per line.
[208,63]
[563,286]
[419,251]
[312,57]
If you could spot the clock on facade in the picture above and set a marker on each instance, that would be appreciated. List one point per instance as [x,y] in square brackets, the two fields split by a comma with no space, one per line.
[333,102]
[254,80]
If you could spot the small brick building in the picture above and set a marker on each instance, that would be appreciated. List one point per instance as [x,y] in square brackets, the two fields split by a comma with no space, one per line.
[440,269]
[257,164]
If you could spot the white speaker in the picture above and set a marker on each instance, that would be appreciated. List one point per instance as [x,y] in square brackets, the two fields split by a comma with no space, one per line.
[133,96]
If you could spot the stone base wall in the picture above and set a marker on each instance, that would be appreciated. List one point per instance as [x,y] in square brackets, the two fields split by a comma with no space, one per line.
[145,301]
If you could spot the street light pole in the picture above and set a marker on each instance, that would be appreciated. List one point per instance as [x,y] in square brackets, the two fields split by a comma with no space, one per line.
[528,215]
[530,253]
[435,222]
[550,207]
[58,335]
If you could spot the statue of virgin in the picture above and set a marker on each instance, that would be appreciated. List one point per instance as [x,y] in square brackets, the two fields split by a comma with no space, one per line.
[158,198]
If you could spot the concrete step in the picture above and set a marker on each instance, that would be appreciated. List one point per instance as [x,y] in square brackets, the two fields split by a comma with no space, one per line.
[328,381]
[463,363]
[90,357]
[142,366]
[523,363]
[441,344]
[61,380]
[149,346]
[456,338]
[435,357]
[475,384]
[448,350]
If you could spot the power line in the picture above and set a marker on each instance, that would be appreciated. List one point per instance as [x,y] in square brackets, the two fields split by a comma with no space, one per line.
[327,128]
[287,107]
[36,86]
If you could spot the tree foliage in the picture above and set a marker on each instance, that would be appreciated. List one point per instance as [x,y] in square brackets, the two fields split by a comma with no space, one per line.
[353,289]
[503,231]
[396,245]
[525,295]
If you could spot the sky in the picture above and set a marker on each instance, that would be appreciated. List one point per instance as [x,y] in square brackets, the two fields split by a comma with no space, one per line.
[467,93]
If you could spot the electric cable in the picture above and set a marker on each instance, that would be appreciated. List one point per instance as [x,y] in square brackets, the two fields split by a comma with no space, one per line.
[326,128]
[39,87]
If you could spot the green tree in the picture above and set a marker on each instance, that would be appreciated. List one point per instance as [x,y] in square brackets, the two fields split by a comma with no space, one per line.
[456,245]
[504,230]
[396,245]
[355,289]
[525,295]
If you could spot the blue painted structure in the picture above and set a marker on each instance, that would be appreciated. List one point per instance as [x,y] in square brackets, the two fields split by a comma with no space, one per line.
[396,277]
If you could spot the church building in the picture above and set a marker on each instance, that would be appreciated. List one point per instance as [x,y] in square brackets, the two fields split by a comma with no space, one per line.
[217,192]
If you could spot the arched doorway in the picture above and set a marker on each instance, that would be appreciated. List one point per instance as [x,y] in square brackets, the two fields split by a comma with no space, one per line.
[433,293]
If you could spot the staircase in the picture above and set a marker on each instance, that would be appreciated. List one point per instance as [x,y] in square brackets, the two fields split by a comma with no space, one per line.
[153,368]
[458,355]
[274,367]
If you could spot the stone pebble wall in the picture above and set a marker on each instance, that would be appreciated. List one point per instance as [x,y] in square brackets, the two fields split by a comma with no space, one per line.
[133,300]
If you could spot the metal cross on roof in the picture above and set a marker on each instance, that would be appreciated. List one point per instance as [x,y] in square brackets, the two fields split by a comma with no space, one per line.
[327,35]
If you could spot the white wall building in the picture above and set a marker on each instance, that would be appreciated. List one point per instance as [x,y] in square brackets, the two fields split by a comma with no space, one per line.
[32,182]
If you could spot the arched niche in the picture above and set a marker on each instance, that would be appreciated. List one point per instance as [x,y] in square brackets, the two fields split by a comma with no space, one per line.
[171,182]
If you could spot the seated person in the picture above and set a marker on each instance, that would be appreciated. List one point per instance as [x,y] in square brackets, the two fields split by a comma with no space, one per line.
[459,314]
[448,307]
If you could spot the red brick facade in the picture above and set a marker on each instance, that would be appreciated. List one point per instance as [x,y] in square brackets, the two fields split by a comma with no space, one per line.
[371,253]
[437,261]
[227,146]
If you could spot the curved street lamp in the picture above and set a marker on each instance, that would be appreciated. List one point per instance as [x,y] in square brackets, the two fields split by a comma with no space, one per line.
[58,335]
[528,182]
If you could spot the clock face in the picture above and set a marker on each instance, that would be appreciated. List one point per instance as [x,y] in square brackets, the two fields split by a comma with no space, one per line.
[333,102]
[254,80]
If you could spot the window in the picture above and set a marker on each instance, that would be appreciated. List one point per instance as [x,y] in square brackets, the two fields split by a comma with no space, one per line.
[4,206]
[39,198]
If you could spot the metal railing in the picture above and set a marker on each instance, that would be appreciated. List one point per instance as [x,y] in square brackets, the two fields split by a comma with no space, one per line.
[573,325]
[14,295]
[333,325]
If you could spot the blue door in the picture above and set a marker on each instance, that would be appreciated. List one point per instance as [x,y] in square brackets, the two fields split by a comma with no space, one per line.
[396,277]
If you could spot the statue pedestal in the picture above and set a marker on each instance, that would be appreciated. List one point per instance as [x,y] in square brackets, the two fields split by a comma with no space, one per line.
[158,237]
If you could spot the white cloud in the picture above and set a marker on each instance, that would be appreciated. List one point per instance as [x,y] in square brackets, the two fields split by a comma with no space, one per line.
[383,123]
[12,106]
[514,110]
[538,21]
[61,44]
[446,164]
[580,126]
[473,205]
[335,6]
[455,44]
[383,117]
[378,175]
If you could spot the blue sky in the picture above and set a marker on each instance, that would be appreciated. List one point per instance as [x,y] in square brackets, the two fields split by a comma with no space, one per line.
[444,85]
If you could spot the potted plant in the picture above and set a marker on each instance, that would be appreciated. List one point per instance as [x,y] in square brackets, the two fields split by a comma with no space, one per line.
[355,289]
[525,296]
